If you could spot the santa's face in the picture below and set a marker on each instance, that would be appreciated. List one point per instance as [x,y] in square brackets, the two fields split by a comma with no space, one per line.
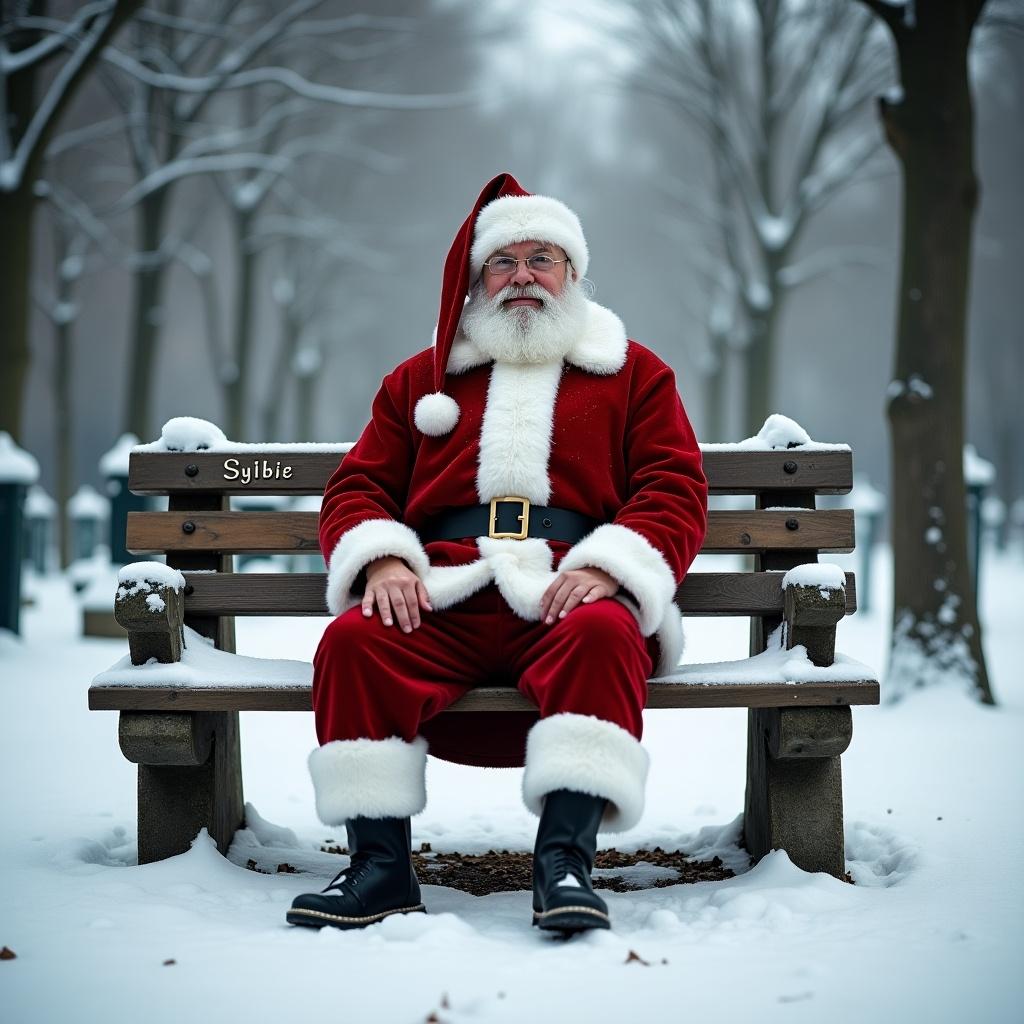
[529,316]
[551,281]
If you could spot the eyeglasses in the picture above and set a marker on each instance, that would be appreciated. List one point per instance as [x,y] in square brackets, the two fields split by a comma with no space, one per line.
[502,266]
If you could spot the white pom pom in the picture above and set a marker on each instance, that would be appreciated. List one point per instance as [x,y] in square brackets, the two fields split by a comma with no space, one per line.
[436,414]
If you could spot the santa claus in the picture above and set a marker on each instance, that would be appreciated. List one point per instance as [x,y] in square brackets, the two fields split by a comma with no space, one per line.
[520,510]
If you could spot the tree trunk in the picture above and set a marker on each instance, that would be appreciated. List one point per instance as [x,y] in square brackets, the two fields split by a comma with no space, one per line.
[287,344]
[715,424]
[62,368]
[936,633]
[17,207]
[305,406]
[237,388]
[16,210]
[147,316]
[759,363]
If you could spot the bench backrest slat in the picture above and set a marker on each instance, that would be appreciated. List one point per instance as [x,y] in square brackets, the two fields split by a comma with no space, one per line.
[742,531]
[703,593]
[295,473]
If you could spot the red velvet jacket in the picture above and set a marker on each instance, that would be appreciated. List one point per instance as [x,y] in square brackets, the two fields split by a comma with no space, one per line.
[602,432]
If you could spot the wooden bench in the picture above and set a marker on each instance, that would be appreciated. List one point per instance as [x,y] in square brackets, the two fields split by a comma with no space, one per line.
[185,738]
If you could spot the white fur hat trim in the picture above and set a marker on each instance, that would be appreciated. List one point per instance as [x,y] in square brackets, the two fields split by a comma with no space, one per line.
[512,219]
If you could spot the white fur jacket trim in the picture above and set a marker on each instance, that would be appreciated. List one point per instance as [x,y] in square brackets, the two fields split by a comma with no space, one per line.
[522,571]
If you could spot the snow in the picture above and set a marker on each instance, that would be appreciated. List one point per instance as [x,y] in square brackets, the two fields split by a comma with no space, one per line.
[88,503]
[115,462]
[16,465]
[98,578]
[759,296]
[202,666]
[186,434]
[82,570]
[930,931]
[38,504]
[978,472]
[778,432]
[307,361]
[64,313]
[824,575]
[190,434]
[993,511]
[774,232]
[915,385]
[774,665]
[147,575]
[865,498]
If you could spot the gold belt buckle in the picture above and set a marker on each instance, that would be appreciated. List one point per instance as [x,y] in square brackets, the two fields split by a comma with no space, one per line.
[524,518]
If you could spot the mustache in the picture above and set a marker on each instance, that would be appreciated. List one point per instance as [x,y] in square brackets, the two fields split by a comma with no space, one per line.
[525,291]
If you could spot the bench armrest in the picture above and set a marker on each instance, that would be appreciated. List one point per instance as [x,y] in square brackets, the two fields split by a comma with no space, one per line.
[152,609]
[811,611]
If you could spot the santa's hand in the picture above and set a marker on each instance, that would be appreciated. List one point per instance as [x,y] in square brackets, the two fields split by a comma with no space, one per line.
[576,586]
[395,588]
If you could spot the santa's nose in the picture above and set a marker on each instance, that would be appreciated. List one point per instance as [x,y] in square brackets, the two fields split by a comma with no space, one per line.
[523,274]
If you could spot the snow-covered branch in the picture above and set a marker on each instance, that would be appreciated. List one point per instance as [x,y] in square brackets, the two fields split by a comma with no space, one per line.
[92,34]
[288,79]
[325,232]
[827,261]
[61,34]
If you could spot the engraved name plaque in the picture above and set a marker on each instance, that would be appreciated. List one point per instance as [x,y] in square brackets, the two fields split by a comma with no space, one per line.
[256,469]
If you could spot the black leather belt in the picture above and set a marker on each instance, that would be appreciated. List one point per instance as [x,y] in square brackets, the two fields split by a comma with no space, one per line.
[511,517]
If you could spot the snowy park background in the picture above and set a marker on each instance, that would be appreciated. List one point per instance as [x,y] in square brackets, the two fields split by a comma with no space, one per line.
[240,211]
[931,930]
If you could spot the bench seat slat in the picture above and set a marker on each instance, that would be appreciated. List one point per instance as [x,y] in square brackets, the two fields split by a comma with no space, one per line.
[660,695]
[728,472]
[704,593]
[729,531]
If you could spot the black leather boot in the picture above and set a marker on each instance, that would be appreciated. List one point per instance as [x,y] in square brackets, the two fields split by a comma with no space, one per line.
[563,897]
[380,880]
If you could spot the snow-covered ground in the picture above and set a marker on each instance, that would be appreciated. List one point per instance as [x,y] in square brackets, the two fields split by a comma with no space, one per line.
[933,929]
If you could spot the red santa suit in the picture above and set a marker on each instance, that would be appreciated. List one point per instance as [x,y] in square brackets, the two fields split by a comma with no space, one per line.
[601,432]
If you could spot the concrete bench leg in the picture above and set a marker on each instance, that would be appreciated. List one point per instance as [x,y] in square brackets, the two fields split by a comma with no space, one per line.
[190,777]
[794,796]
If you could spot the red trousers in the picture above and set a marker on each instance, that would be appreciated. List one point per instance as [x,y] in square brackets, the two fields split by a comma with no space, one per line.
[374,681]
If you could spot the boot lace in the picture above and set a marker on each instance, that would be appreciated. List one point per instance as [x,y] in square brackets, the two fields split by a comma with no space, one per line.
[349,877]
[570,861]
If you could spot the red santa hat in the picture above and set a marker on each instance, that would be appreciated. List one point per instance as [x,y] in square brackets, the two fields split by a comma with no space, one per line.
[504,213]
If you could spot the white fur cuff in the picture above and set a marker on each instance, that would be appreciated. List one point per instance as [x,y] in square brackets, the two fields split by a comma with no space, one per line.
[370,539]
[369,779]
[587,755]
[638,566]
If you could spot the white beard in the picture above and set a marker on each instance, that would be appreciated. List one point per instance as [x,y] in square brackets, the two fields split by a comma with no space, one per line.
[524,334]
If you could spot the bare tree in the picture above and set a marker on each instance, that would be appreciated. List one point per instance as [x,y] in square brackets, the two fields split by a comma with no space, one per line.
[184,64]
[929,125]
[43,63]
[779,90]
[316,254]
[81,244]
